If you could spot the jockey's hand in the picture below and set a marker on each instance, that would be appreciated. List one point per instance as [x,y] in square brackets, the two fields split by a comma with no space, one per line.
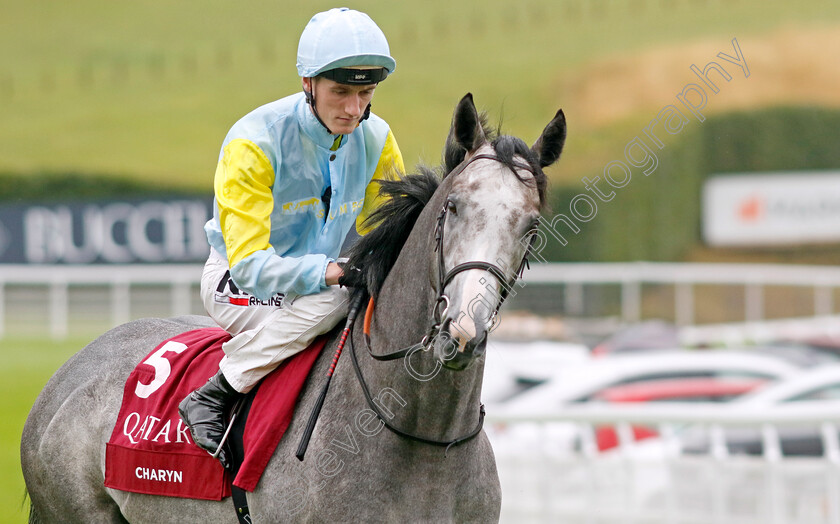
[334,272]
[352,277]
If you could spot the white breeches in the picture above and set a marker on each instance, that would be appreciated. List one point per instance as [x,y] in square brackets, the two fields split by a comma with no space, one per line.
[264,333]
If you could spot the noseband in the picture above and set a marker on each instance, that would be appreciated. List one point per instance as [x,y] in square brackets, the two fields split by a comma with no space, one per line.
[444,278]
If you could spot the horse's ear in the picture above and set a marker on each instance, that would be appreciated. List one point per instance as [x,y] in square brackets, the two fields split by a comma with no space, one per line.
[466,125]
[550,144]
[466,131]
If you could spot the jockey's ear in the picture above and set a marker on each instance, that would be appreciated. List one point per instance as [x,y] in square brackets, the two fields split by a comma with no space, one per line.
[550,143]
[466,134]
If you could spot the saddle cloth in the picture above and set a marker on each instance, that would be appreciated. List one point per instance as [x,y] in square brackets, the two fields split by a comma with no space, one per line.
[151,450]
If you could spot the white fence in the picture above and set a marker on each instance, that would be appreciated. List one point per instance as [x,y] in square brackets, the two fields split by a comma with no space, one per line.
[41,298]
[821,281]
[653,481]
[93,298]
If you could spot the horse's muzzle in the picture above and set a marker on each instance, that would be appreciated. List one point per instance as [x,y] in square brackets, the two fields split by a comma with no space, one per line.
[449,352]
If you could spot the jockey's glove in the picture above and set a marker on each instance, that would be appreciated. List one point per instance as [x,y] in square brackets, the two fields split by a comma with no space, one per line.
[352,276]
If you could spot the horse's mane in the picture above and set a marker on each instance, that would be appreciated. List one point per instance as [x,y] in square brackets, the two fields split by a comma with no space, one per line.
[372,256]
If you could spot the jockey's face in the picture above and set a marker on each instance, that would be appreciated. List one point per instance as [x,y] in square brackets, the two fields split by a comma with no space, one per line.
[340,106]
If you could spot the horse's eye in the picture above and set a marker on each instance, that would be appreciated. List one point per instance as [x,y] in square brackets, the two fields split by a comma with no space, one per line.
[532,228]
[452,208]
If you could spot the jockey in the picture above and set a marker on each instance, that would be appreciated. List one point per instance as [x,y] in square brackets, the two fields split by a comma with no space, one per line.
[295,179]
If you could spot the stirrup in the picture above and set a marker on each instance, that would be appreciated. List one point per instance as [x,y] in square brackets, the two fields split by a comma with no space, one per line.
[237,407]
[227,432]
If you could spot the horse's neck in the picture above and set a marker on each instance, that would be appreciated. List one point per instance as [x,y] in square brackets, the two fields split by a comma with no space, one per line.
[440,404]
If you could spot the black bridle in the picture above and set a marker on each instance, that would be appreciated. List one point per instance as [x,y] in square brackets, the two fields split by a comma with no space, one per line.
[444,278]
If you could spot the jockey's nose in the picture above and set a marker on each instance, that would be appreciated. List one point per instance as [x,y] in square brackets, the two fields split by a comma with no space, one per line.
[353,105]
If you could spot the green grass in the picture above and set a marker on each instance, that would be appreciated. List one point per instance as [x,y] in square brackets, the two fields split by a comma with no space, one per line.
[27,366]
[148,90]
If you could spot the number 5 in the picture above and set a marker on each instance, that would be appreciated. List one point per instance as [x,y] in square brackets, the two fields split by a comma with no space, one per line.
[162,368]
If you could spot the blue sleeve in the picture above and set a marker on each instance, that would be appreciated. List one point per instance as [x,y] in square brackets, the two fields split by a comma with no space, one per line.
[263,274]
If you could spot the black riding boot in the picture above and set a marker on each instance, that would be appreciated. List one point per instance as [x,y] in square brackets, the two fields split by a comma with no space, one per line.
[204,411]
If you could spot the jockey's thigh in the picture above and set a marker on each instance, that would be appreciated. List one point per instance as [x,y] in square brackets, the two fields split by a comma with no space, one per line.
[232,318]
[265,335]
[286,331]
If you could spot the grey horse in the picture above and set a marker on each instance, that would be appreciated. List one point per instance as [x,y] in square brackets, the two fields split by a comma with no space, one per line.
[370,459]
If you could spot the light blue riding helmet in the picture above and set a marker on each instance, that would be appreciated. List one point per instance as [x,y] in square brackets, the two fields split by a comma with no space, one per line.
[342,38]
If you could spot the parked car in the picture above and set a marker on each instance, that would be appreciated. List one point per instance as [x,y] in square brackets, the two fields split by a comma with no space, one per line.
[822,383]
[705,389]
[597,379]
[816,385]
[656,335]
[650,335]
[585,381]
[511,368]
[798,354]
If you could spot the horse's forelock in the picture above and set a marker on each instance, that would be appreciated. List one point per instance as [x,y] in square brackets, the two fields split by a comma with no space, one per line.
[507,148]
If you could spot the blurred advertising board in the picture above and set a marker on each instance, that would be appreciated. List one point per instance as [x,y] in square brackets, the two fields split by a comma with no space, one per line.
[771,209]
[159,230]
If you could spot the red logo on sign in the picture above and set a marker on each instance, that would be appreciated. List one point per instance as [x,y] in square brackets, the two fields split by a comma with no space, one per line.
[751,209]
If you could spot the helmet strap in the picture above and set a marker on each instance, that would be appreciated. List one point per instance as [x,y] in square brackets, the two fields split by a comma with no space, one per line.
[310,99]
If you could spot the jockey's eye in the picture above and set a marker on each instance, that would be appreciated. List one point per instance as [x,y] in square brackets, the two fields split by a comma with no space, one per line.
[452,208]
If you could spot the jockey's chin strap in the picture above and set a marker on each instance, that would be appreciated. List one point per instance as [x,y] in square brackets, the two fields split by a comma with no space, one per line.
[444,278]
[310,99]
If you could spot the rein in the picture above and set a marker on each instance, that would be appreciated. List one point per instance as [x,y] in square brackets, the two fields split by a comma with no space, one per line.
[375,408]
[444,278]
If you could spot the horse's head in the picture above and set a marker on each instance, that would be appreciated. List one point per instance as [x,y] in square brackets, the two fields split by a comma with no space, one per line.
[485,226]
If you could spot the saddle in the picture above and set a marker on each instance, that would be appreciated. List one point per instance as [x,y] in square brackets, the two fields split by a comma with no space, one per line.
[151,450]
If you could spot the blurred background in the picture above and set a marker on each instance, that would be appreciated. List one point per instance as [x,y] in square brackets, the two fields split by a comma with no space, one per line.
[112,118]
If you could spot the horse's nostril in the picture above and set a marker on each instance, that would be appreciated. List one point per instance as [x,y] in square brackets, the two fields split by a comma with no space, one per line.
[478,344]
[446,346]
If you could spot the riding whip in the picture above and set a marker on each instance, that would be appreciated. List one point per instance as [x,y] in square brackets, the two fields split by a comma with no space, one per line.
[313,418]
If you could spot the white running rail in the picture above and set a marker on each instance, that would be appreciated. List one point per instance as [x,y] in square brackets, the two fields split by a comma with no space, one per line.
[57,283]
[547,476]
[823,280]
